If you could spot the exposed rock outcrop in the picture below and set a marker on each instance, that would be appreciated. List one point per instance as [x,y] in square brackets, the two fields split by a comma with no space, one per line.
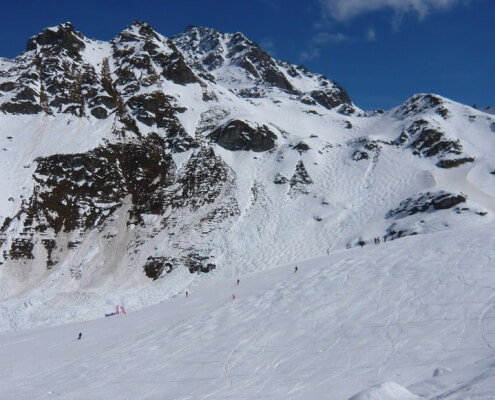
[427,140]
[300,180]
[423,104]
[81,192]
[424,202]
[238,135]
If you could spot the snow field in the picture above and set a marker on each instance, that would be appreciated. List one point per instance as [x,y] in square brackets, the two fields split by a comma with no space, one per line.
[414,316]
[347,202]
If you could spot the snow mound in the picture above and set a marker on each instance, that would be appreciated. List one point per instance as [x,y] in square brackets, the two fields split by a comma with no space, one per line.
[386,391]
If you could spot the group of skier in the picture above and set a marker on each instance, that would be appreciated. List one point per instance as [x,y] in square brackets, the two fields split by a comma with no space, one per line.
[237,284]
[238,281]
[377,239]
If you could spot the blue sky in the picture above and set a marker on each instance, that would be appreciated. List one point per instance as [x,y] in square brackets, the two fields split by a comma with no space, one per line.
[380,51]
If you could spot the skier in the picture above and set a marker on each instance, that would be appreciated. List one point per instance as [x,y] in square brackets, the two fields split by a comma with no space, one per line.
[187,293]
[233,296]
[295,269]
[238,281]
[80,336]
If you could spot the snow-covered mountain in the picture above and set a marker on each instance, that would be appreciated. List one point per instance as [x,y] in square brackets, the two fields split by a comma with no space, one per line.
[136,168]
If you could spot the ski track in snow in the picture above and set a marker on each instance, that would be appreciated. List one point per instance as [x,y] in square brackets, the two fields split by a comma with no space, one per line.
[342,324]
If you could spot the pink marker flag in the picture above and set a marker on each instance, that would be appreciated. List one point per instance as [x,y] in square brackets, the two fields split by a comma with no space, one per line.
[122,309]
[116,309]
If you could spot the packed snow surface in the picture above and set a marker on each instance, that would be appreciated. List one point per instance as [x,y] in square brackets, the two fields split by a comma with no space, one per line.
[407,319]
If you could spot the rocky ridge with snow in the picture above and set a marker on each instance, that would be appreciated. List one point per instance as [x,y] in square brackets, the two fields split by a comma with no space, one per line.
[128,161]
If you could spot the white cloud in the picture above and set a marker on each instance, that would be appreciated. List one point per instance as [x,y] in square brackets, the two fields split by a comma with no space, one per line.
[370,35]
[327,37]
[268,45]
[342,10]
[319,40]
[309,54]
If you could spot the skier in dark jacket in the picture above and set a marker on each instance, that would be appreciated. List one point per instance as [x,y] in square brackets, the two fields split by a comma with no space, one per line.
[80,336]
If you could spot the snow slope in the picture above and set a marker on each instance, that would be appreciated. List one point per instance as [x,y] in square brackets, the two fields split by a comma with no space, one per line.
[359,168]
[347,202]
[407,319]
[410,318]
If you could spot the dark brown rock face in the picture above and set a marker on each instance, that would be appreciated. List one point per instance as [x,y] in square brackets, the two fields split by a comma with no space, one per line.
[62,37]
[80,193]
[155,267]
[262,66]
[331,98]
[140,48]
[366,149]
[238,135]
[51,76]
[176,69]
[452,163]
[428,140]
[300,180]
[424,202]
[201,180]
[421,103]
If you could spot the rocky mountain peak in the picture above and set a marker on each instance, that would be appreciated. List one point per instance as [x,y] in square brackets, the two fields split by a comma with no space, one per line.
[136,31]
[227,56]
[210,50]
[202,46]
[422,103]
[140,47]
[201,31]
[238,42]
[51,76]
[63,36]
